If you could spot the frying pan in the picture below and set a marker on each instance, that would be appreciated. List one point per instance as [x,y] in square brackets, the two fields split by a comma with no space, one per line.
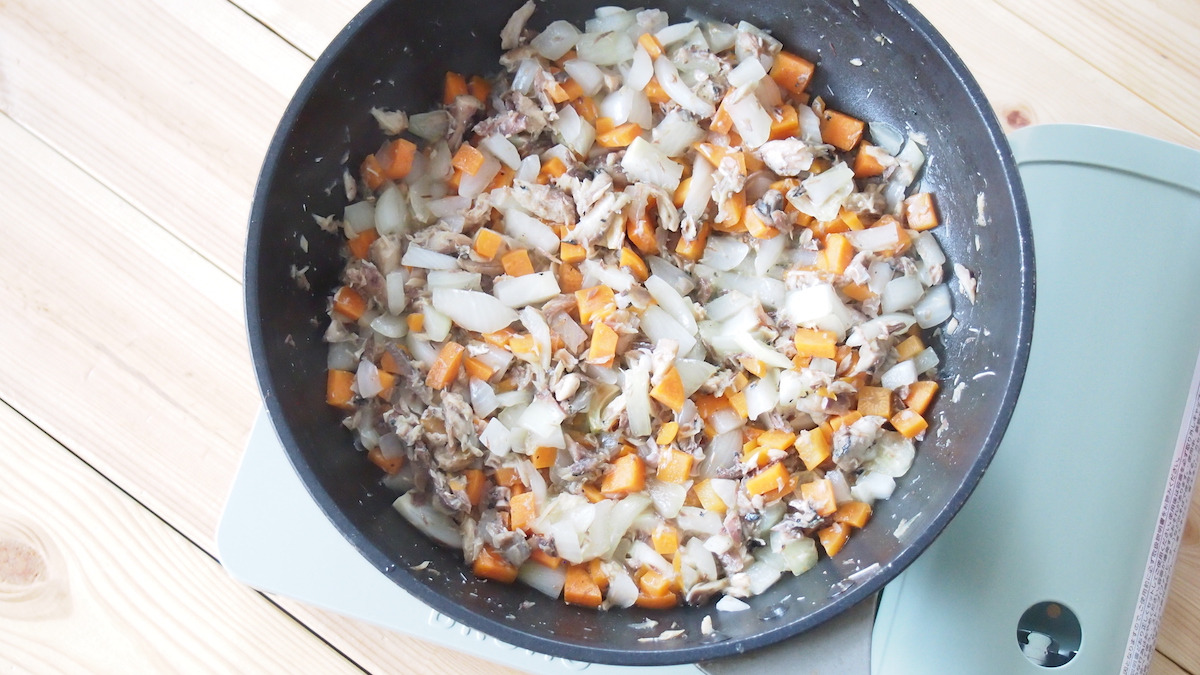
[393,55]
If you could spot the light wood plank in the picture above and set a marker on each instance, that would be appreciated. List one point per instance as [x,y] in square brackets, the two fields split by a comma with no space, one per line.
[1150,47]
[90,581]
[1179,635]
[1161,665]
[307,24]
[170,103]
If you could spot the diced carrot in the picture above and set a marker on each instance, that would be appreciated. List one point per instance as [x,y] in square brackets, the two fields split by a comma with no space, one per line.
[712,152]
[360,246]
[456,85]
[755,224]
[721,121]
[694,249]
[875,401]
[468,158]
[709,497]
[628,475]
[844,420]
[455,179]
[491,565]
[774,477]
[348,303]
[522,345]
[523,508]
[618,137]
[667,433]
[851,220]
[841,130]
[556,92]
[754,455]
[667,601]
[593,493]
[909,423]
[580,589]
[641,234]
[544,559]
[738,401]
[337,389]
[390,466]
[543,457]
[500,338]
[920,395]
[479,88]
[476,486]
[507,477]
[792,72]
[504,178]
[838,252]
[665,539]
[487,243]
[655,92]
[572,89]
[866,162]
[707,406]
[675,466]
[445,368]
[637,266]
[387,363]
[654,584]
[596,302]
[858,292]
[834,537]
[587,108]
[817,343]
[910,347]
[571,253]
[416,322]
[387,381]
[478,369]
[516,263]
[397,159]
[776,439]
[570,279]
[595,569]
[372,173]
[603,349]
[553,167]
[853,513]
[920,212]
[820,494]
[681,192]
[651,44]
[786,124]
[669,390]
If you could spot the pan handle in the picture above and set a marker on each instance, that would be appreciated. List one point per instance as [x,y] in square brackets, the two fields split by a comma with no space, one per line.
[841,646]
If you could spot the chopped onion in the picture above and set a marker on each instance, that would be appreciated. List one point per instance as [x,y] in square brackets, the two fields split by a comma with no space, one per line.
[473,310]
[825,192]
[668,78]
[453,279]
[605,49]
[746,72]
[566,542]
[433,523]
[727,305]
[531,231]
[887,137]
[699,521]
[934,308]
[503,150]
[586,74]
[762,576]
[874,239]
[726,489]
[575,131]
[762,395]
[473,185]
[841,488]
[646,163]
[720,36]
[873,485]
[668,497]
[679,307]
[672,34]
[926,360]
[728,603]
[657,324]
[641,114]
[554,42]
[893,455]
[676,133]
[762,352]
[341,356]
[899,375]
[622,591]
[483,399]
[641,71]
[416,256]
[723,253]
[928,248]
[542,417]
[359,217]
[694,373]
[770,292]
[395,283]
[679,280]
[617,106]
[390,326]
[531,166]
[437,325]
[609,19]
[810,125]
[541,578]
[818,307]
[722,452]
[422,351]
[367,379]
[526,290]
[431,126]
[539,330]
[901,293]
[637,399]
[881,273]
[596,272]
[517,398]
[799,556]
[526,73]
[769,253]
[391,212]
[750,119]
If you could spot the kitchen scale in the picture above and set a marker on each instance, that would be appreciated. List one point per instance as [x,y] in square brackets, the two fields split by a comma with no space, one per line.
[1062,555]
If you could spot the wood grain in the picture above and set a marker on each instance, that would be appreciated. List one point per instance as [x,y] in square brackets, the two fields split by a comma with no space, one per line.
[169,103]
[90,581]
[1161,665]
[307,24]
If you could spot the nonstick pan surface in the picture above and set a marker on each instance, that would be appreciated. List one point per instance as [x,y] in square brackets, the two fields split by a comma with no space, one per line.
[393,55]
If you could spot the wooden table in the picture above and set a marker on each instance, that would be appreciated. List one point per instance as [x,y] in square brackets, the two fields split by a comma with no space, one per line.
[131,135]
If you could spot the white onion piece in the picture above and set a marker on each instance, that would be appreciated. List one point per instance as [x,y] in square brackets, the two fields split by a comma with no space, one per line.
[390,326]
[437,325]
[394,282]
[799,556]
[430,126]
[926,360]
[768,94]
[679,280]
[728,603]
[542,578]
[473,310]
[694,373]
[769,253]
[530,167]
[640,113]
[610,18]
[746,72]
[586,74]
[700,193]
[342,357]
[453,279]
[657,324]
[449,206]
[526,73]
[641,71]
[874,239]
[668,497]
[841,488]
[825,192]
[770,292]
[873,485]
[722,452]
[672,34]
[679,307]
[762,395]
[433,523]
[526,290]
[749,118]
[699,521]
[926,246]
[530,231]
[416,256]
[676,133]
[516,400]
[646,163]
[617,106]
[542,417]
[605,49]
[901,293]
[503,150]
[810,125]
[596,272]
[566,541]
[473,185]
[724,253]
[622,591]
[726,489]
[483,399]
[391,212]
[554,42]
[818,307]
[880,273]
[367,379]
[359,217]
[934,308]
[422,351]
[893,455]
[727,305]
[762,576]
[637,399]
[668,78]
[575,131]
[726,420]
[762,352]
[899,375]
[887,137]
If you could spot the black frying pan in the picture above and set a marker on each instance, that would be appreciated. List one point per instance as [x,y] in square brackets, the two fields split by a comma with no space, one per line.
[394,53]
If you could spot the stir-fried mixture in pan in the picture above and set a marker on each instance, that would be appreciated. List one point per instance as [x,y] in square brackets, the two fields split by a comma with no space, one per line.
[638,320]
